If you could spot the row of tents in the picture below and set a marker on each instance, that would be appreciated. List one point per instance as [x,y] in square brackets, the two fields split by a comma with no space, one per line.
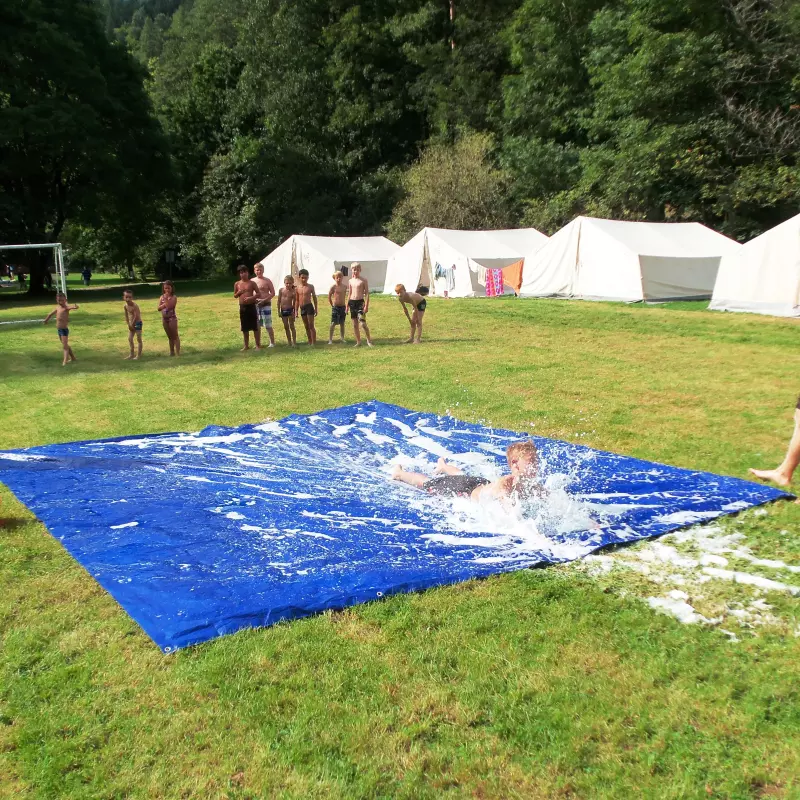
[593,259]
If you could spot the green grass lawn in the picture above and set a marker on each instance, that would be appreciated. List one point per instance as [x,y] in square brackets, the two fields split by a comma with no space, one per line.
[558,682]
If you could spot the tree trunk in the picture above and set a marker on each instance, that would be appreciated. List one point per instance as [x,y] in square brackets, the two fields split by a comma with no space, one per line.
[38,263]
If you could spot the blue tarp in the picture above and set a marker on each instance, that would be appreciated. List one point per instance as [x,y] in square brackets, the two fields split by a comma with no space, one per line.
[199,535]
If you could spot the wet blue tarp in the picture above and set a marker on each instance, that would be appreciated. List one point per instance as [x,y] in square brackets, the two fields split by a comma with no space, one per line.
[199,535]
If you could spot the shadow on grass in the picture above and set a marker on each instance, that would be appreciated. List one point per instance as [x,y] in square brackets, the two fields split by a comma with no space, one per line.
[12,523]
[104,293]
[158,359]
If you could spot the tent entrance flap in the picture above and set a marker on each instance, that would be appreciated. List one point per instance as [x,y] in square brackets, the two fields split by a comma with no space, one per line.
[670,278]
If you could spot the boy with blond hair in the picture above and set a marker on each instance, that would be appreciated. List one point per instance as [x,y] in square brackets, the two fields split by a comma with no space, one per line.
[133,319]
[286,307]
[450,481]
[358,303]
[61,312]
[337,295]
[419,304]
[266,291]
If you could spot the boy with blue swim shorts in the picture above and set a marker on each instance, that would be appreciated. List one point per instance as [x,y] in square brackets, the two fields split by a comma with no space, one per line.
[61,312]
[266,291]
[133,319]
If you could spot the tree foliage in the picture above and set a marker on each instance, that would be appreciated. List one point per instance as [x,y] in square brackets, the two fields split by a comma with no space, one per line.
[78,140]
[343,117]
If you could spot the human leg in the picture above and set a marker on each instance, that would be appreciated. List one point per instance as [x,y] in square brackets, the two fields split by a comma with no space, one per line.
[138,345]
[443,468]
[366,331]
[411,478]
[420,315]
[130,344]
[783,474]
[357,333]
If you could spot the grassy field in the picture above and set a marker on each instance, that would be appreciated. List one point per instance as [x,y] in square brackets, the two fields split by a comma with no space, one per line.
[558,682]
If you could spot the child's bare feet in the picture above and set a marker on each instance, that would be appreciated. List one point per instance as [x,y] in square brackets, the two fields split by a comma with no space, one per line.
[369,343]
[135,358]
[243,349]
[440,465]
[129,358]
[357,344]
[774,475]
[397,472]
[408,341]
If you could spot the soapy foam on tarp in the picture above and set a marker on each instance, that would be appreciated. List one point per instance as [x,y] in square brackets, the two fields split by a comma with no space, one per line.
[199,535]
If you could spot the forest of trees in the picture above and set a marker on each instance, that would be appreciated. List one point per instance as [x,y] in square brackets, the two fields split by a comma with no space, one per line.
[220,127]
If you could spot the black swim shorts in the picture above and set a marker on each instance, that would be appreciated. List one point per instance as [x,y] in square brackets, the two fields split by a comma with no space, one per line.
[248,316]
[338,314]
[453,485]
[356,309]
[307,310]
[423,304]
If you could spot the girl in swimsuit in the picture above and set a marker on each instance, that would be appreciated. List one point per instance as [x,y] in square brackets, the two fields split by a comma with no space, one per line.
[166,305]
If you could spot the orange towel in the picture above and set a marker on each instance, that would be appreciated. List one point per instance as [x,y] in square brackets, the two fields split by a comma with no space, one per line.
[512,275]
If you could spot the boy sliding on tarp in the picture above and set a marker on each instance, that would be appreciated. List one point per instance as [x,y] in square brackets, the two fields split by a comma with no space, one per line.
[419,304]
[450,481]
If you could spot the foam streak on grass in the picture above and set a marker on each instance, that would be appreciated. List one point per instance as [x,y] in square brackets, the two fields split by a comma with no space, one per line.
[541,683]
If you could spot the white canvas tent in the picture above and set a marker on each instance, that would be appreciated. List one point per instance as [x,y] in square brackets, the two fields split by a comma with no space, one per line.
[323,255]
[601,259]
[764,275]
[462,258]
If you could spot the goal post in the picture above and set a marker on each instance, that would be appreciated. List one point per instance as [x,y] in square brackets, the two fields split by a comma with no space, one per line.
[58,259]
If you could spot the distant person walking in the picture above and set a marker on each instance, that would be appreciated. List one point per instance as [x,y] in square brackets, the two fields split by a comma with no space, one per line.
[166,305]
[86,275]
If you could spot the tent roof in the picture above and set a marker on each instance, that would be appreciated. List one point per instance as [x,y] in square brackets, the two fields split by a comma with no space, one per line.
[512,243]
[350,248]
[666,239]
[773,233]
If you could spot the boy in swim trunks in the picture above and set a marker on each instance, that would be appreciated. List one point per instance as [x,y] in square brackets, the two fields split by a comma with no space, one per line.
[266,291]
[306,303]
[783,474]
[61,312]
[133,319]
[418,303]
[523,461]
[337,295]
[358,303]
[247,292]
[286,304]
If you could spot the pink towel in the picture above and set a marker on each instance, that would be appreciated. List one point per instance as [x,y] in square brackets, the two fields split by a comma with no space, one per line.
[494,282]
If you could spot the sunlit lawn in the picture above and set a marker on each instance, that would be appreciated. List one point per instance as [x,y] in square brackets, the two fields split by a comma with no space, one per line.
[540,683]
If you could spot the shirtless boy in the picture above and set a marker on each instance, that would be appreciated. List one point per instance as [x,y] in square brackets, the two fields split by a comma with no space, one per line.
[418,303]
[61,312]
[337,295]
[306,304]
[523,461]
[246,291]
[133,319]
[358,303]
[286,297]
[266,291]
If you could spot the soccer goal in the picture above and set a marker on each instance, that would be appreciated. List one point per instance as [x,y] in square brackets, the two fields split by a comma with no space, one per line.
[58,260]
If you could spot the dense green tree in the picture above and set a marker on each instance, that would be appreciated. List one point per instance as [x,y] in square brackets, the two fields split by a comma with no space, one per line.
[453,186]
[78,140]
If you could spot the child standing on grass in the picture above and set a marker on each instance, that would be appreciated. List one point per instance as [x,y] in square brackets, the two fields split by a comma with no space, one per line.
[286,301]
[61,312]
[247,293]
[166,305]
[358,303]
[266,291]
[133,319]
[337,298]
[306,303]
[418,303]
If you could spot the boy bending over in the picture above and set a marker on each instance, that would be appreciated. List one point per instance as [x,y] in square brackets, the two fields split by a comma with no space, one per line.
[419,304]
